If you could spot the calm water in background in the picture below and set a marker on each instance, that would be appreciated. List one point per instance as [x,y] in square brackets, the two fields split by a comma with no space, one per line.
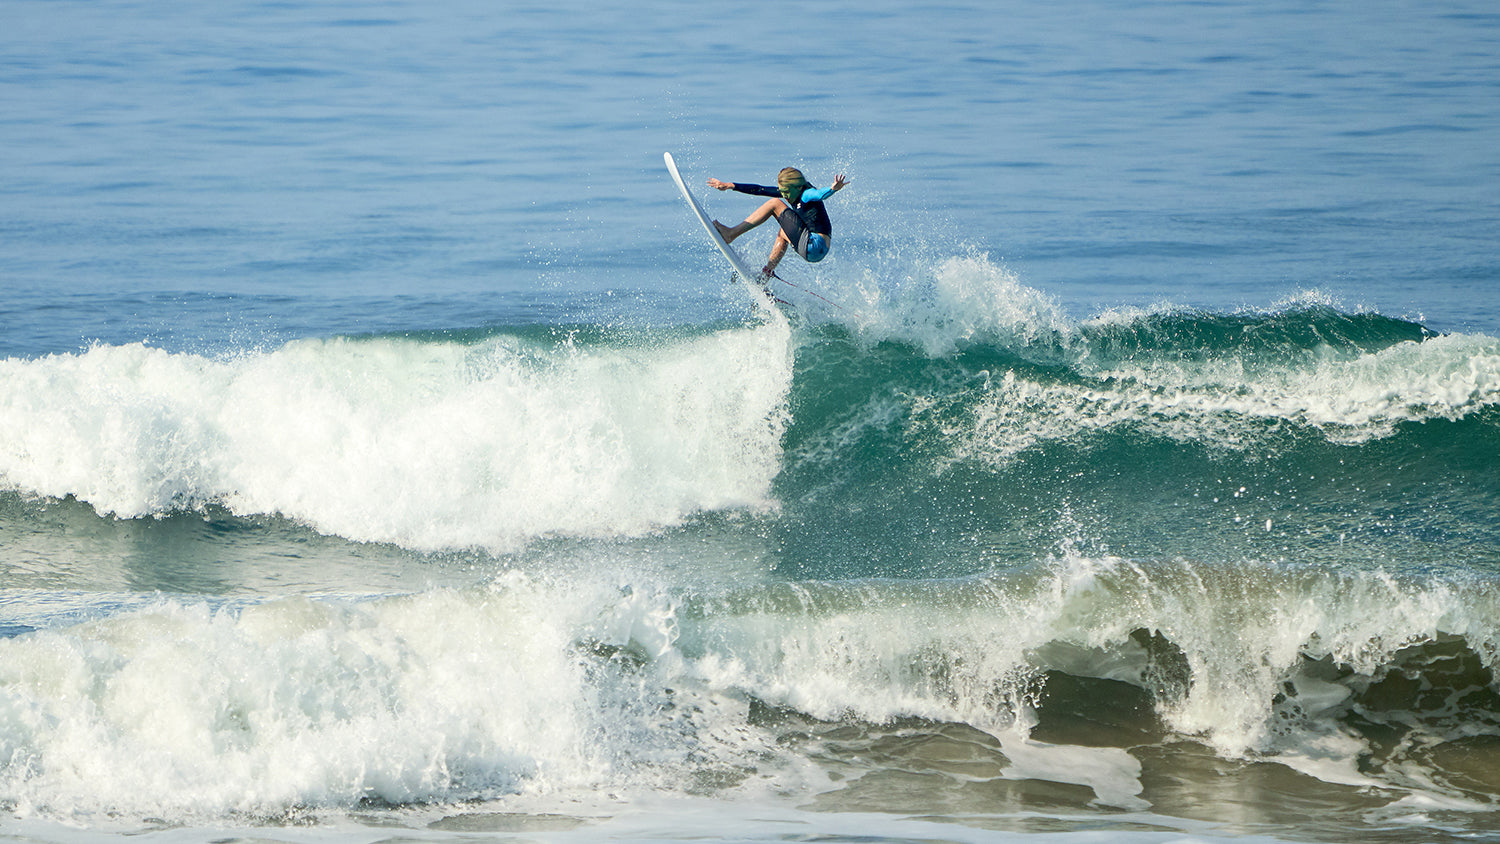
[371,160]
[369,399]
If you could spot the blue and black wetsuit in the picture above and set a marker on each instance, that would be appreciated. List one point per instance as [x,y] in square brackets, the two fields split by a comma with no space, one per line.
[805,223]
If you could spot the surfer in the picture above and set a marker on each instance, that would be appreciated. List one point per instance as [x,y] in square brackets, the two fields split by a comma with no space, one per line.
[797,206]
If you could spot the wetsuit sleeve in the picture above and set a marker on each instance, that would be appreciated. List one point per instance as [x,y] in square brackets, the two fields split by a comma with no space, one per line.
[757,190]
[816,194]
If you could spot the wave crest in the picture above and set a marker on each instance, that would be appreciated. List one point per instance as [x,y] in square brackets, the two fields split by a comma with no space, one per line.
[429,444]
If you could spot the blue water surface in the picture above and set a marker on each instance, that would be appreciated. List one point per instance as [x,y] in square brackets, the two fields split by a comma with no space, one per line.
[241,172]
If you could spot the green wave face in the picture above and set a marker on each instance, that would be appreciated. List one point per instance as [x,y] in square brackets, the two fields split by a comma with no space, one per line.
[1307,434]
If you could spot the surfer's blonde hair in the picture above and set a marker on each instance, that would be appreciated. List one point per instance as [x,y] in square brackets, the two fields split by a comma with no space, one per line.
[790,181]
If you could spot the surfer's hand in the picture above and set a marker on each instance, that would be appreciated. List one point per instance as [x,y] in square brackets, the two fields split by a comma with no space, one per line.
[718,185]
[839,181]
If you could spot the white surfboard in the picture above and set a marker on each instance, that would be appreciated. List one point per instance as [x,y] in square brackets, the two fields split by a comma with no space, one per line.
[747,275]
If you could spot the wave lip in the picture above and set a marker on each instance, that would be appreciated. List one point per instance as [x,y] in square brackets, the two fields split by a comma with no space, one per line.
[1355,679]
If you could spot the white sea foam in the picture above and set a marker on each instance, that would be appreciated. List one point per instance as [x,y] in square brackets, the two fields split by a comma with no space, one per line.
[1223,403]
[1354,398]
[179,710]
[1112,773]
[427,444]
[568,686]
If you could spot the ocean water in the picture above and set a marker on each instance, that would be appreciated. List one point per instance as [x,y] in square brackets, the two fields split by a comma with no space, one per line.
[385,455]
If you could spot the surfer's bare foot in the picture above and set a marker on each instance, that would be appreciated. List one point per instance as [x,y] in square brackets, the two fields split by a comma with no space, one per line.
[724,231]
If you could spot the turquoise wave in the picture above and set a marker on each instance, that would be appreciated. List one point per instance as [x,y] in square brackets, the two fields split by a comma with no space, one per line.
[1307,434]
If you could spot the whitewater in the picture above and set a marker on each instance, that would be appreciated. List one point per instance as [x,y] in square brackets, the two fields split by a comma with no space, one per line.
[425,444]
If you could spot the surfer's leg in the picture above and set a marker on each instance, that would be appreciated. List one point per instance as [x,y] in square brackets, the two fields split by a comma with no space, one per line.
[778,249]
[765,212]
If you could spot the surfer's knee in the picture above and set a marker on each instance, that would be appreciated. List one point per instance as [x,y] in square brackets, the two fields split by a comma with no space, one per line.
[767,210]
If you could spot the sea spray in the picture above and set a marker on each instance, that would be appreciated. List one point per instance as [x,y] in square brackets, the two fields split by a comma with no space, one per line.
[941,305]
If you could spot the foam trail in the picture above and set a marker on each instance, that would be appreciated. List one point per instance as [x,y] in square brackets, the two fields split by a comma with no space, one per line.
[1218,402]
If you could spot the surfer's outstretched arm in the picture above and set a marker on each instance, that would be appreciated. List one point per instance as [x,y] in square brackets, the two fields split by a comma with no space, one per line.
[744,187]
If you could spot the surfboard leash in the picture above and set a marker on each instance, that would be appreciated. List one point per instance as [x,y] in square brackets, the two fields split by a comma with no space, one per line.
[805,290]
